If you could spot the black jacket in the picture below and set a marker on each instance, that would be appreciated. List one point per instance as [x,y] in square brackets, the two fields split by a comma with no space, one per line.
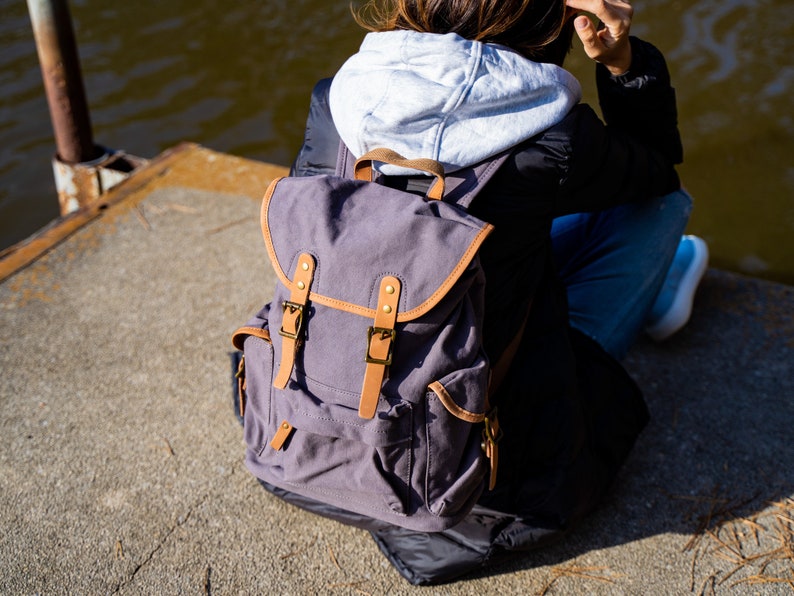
[570,413]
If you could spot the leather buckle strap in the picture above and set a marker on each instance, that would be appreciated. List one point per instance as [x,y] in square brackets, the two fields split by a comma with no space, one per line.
[379,338]
[293,318]
[491,434]
[380,345]
[242,386]
[292,324]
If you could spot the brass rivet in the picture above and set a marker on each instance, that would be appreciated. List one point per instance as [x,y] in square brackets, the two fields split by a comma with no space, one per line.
[390,289]
[305,266]
[285,426]
[387,309]
[301,285]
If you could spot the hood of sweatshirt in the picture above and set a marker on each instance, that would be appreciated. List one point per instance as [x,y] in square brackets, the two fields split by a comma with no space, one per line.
[445,97]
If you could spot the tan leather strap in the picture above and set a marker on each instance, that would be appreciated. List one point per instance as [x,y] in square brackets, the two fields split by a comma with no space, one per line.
[238,341]
[491,432]
[242,387]
[238,337]
[282,434]
[380,343]
[500,368]
[291,331]
[363,168]
[490,444]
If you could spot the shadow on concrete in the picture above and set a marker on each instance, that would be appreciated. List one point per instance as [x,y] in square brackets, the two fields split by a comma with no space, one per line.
[717,455]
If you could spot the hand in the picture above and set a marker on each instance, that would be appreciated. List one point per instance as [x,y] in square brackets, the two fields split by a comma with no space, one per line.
[609,45]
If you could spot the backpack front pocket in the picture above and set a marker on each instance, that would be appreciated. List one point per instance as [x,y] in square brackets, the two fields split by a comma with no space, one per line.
[326,450]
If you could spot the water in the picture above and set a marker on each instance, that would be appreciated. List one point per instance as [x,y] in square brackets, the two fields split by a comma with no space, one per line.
[237,77]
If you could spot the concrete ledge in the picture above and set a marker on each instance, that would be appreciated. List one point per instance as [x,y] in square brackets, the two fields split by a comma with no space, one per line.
[186,165]
[121,461]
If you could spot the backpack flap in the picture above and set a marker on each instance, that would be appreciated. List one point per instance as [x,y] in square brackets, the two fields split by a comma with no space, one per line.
[358,232]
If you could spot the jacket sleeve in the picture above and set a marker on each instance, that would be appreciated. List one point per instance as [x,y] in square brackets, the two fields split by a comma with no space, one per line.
[642,101]
[630,157]
[320,146]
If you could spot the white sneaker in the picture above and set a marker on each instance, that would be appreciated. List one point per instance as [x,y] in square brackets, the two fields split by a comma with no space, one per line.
[673,305]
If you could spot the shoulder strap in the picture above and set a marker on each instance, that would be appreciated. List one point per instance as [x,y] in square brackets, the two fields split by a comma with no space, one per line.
[461,186]
[345,162]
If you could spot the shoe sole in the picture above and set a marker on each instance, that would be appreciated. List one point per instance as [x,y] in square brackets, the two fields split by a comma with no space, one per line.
[681,309]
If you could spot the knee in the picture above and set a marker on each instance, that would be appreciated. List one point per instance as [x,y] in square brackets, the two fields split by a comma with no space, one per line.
[679,201]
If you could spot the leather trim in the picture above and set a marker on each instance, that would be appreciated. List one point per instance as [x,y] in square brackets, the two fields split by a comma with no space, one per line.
[238,337]
[453,408]
[453,277]
[271,250]
[380,346]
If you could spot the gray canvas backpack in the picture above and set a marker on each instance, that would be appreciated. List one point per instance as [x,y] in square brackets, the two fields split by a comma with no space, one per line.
[363,380]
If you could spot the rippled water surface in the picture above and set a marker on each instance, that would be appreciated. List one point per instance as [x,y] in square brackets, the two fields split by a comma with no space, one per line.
[236,77]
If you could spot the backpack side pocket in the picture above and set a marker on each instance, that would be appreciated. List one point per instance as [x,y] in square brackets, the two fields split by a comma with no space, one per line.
[259,389]
[456,462]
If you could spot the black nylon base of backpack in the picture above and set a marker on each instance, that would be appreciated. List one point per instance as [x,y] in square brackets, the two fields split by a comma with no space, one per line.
[484,538]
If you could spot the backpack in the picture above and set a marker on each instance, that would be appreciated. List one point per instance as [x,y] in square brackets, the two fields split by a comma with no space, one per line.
[363,382]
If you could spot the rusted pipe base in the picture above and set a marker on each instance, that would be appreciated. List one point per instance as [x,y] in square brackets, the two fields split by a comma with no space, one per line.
[81,184]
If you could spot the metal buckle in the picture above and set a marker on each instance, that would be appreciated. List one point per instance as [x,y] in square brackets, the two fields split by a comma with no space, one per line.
[292,307]
[384,333]
[488,436]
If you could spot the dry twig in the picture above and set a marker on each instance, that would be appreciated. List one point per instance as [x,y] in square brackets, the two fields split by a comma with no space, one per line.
[142,218]
[594,573]
[228,225]
[333,558]
[710,582]
[181,208]
[356,585]
[764,551]
[299,551]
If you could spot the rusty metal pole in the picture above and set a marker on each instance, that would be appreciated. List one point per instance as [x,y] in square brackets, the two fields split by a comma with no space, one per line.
[63,81]
[83,170]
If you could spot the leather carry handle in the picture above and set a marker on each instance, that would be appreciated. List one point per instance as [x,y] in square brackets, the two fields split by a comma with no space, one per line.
[363,168]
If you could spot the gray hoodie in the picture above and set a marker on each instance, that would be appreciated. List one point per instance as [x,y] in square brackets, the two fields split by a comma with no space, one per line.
[444,97]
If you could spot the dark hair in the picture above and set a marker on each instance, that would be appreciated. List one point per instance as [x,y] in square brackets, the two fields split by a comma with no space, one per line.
[537,29]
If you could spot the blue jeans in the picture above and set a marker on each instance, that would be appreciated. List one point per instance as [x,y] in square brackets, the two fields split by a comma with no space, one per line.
[613,263]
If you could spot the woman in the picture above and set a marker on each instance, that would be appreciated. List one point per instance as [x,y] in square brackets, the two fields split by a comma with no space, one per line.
[588,217]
